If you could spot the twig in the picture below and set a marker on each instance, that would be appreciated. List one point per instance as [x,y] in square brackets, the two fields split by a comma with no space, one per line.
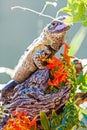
[7,71]
[31,10]
[43,9]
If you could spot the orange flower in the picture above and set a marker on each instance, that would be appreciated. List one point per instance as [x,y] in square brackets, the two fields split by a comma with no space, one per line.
[53,82]
[67,47]
[67,58]
[65,54]
[53,63]
[59,72]
[20,121]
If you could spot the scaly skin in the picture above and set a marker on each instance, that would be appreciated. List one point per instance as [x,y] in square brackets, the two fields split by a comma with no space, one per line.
[37,53]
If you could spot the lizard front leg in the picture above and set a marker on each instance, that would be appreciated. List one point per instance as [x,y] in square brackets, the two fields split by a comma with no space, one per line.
[40,57]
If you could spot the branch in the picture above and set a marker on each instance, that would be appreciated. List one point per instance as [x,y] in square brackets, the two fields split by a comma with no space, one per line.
[31,10]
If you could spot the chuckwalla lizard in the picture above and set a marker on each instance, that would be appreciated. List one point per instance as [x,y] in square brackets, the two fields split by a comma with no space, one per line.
[45,46]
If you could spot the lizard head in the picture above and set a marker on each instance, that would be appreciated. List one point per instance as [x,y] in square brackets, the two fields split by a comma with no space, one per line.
[55,32]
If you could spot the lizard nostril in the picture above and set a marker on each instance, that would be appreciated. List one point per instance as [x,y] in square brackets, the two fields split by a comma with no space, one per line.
[60,23]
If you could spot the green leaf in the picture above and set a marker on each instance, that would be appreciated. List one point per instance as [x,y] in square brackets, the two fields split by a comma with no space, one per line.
[54,113]
[77,41]
[81,79]
[84,23]
[77,9]
[85,1]
[76,18]
[68,21]
[70,2]
[44,121]
[83,89]
[66,10]
[32,128]
[81,9]
[55,120]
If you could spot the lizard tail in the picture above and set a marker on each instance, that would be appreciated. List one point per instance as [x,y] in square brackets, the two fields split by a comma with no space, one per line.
[10,85]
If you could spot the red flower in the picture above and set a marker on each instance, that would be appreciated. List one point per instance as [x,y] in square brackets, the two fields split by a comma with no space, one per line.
[53,63]
[59,72]
[65,54]
[20,121]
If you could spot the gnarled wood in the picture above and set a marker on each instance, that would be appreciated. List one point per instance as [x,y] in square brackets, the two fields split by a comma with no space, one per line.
[31,97]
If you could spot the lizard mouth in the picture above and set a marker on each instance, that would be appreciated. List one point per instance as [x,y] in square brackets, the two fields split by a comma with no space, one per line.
[61,28]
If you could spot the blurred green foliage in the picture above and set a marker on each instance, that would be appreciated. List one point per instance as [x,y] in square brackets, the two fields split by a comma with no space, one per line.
[77,40]
[77,9]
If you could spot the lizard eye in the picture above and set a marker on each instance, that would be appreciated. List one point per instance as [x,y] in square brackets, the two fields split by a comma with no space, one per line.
[54,23]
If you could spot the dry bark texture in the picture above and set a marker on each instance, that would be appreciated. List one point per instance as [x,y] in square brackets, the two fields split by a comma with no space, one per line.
[31,97]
